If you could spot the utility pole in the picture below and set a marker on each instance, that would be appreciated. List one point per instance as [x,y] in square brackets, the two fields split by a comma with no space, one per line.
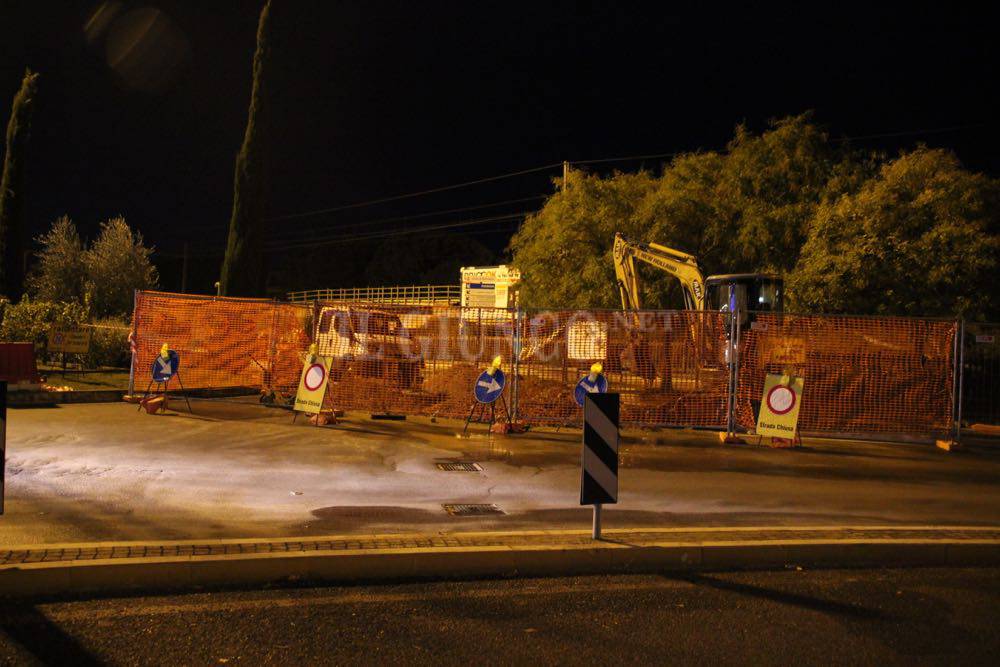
[184,270]
[565,174]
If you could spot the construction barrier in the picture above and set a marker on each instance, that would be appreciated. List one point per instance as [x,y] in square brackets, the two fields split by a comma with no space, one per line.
[239,344]
[420,360]
[981,373]
[862,375]
[669,366]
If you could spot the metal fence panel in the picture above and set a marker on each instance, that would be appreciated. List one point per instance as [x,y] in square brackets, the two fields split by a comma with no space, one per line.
[222,342]
[875,375]
[863,375]
[668,366]
[981,374]
[410,360]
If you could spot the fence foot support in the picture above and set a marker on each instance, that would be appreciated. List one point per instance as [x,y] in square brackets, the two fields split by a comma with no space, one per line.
[948,445]
[731,439]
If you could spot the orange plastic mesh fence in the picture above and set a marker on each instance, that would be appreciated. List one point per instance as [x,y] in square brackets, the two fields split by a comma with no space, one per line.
[669,366]
[861,374]
[223,343]
[410,359]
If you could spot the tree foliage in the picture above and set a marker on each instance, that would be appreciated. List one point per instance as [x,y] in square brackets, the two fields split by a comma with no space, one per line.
[922,237]
[32,321]
[242,267]
[59,274]
[564,250]
[788,201]
[117,263]
[13,203]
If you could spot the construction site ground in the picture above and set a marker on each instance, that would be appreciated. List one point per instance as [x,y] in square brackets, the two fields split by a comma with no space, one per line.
[236,469]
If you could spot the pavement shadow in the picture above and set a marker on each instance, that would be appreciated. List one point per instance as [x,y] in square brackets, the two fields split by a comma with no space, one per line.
[782,597]
[29,628]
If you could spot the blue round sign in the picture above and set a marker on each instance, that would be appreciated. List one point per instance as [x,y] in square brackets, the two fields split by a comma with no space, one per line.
[585,386]
[489,387]
[164,369]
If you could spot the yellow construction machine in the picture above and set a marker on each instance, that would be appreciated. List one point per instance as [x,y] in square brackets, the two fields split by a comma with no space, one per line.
[701,358]
[735,292]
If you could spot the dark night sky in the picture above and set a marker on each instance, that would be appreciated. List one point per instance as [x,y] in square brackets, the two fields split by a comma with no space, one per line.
[381,98]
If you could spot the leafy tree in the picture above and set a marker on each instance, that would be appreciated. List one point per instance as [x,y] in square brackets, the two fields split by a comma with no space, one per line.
[13,204]
[564,251]
[59,274]
[117,264]
[922,237]
[747,208]
[32,320]
[242,268]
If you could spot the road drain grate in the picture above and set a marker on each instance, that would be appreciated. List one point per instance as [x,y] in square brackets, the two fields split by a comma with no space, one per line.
[460,466]
[472,509]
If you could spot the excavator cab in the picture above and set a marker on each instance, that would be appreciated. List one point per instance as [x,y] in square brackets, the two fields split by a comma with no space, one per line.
[745,293]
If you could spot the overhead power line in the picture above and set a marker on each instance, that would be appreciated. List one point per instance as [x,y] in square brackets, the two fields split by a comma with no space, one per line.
[333,240]
[445,188]
[303,233]
[556,165]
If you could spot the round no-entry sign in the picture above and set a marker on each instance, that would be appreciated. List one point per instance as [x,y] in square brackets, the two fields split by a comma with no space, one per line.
[314,377]
[781,399]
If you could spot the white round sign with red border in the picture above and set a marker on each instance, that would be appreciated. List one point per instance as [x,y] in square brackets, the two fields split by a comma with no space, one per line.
[781,399]
[312,385]
[314,377]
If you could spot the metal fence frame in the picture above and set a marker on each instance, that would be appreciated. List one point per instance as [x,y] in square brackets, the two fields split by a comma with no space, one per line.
[734,360]
[397,294]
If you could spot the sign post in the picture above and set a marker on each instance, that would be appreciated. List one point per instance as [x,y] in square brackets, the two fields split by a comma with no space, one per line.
[3,442]
[599,473]
[312,383]
[68,341]
[592,383]
[779,406]
[165,367]
[487,390]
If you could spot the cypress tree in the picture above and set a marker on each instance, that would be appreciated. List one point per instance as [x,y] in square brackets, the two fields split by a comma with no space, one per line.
[242,268]
[13,204]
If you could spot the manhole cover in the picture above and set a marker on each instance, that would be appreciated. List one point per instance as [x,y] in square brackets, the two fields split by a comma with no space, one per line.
[460,467]
[472,510]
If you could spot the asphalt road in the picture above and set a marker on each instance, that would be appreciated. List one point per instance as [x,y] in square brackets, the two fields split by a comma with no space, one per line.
[108,472]
[929,616]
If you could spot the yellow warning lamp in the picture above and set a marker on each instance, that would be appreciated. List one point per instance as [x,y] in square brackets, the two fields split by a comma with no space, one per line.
[495,366]
[595,370]
[165,351]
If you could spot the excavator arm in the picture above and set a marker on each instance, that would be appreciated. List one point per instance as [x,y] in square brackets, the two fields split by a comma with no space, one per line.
[681,265]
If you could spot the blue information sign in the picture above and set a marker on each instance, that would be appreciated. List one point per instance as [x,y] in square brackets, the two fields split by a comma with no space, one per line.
[489,387]
[164,369]
[585,386]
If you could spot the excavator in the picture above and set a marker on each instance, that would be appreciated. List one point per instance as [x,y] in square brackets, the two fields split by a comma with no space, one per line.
[735,292]
[739,293]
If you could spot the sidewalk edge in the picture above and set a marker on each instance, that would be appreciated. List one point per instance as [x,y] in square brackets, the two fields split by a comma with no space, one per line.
[112,576]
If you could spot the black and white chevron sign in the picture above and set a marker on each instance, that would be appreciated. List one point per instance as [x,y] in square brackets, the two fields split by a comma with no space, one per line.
[599,481]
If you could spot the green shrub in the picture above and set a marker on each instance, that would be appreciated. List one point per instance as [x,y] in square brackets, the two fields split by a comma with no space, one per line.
[31,321]
[108,345]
